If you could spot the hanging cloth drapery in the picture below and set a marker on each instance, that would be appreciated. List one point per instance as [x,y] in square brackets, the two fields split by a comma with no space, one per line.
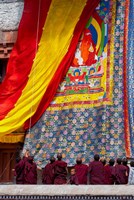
[20,63]
[25,83]
[65,63]
[23,53]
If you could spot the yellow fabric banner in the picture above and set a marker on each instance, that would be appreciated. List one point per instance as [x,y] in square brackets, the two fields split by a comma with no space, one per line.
[57,34]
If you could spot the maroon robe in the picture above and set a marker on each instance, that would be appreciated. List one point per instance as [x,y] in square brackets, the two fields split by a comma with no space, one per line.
[108,174]
[119,173]
[60,172]
[81,173]
[48,174]
[73,180]
[127,173]
[30,172]
[96,173]
[19,172]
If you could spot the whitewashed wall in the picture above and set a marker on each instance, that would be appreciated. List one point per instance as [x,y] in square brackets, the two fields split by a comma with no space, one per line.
[10,14]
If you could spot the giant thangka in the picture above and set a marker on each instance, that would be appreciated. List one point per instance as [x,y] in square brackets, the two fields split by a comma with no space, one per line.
[86,115]
[76,96]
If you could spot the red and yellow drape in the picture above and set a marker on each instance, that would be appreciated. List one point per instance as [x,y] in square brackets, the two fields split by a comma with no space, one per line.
[47,38]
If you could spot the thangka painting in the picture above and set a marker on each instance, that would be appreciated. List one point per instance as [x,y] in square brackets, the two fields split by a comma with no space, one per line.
[68,83]
[86,116]
[87,82]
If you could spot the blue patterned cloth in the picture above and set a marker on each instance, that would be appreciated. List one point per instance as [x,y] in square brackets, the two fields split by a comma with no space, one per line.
[82,131]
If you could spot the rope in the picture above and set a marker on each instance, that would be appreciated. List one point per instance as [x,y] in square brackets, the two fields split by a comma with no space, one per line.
[37,36]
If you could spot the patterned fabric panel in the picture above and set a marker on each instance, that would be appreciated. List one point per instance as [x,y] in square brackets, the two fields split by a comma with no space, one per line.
[86,116]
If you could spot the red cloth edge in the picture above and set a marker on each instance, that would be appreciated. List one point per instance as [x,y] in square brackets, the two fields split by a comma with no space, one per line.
[23,53]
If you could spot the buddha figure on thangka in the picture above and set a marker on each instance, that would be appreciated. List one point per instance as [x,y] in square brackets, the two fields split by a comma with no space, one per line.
[86,71]
[89,78]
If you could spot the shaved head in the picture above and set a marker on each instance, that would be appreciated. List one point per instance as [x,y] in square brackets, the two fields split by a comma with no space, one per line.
[59,156]
[78,160]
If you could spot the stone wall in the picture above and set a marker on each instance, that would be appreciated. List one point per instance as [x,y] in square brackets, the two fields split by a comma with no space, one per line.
[10,14]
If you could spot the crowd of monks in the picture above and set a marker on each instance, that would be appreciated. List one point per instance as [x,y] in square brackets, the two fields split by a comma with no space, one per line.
[56,171]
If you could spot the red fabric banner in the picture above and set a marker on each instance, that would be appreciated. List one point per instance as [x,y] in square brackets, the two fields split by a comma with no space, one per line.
[126,110]
[64,65]
[23,53]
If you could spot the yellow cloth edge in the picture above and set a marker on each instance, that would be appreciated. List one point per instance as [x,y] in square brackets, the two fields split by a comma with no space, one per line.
[79,106]
[13,138]
[112,50]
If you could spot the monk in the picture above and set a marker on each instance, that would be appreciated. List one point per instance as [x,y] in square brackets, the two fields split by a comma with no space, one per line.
[19,167]
[109,180]
[81,171]
[19,171]
[73,179]
[60,171]
[120,172]
[125,163]
[26,155]
[96,171]
[30,171]
[131,173]
[104,162]
[48,172]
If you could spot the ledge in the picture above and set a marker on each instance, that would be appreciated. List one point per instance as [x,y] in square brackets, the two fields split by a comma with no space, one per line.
[62,190]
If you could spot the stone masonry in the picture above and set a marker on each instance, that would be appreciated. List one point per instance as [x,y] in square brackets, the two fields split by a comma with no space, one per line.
[10,14]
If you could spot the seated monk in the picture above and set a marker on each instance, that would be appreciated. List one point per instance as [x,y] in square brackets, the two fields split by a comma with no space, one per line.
[60,171]
[73,179]
[48,172]
[81,171]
